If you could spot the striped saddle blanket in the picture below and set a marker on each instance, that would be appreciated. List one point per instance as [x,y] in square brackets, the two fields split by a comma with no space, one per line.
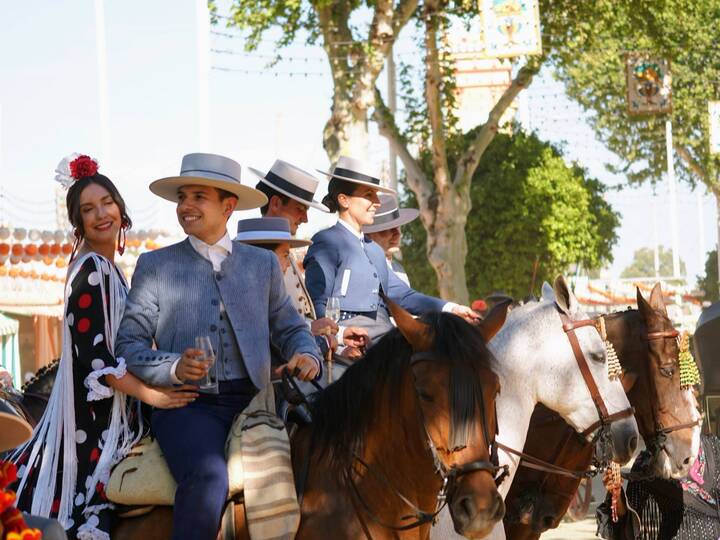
[259,468]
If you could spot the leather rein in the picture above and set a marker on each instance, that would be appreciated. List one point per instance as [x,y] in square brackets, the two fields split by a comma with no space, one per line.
[449,476]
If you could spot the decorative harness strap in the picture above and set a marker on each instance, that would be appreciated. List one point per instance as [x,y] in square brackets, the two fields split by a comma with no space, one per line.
[605,418]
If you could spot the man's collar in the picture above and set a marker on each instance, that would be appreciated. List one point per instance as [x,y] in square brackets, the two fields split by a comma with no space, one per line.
[358,235]
[225,242]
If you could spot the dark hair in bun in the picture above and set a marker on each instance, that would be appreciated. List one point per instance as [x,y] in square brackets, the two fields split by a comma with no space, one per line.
[338,187]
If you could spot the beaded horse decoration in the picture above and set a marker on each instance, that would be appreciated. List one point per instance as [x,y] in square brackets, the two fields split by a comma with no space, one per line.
[689,372]
[613,362]
[612,478]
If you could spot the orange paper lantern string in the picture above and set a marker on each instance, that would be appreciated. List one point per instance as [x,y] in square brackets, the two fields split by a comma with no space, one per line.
[67,249]
[31,250]
[4,249]
[55,249]
[44,250]
[17,250]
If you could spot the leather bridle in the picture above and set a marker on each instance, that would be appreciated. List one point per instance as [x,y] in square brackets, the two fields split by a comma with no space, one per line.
[657,443]
[449,476]
[605,419]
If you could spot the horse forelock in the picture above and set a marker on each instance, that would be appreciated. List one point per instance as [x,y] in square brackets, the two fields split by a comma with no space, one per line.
[344,413]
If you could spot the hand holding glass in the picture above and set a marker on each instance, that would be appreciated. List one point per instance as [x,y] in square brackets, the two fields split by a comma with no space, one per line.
[209,383]
[332,308]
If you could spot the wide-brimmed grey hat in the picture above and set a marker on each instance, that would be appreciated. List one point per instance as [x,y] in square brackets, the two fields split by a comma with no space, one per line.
[293,182]
[209,170]
[358,172]
[389,216]
[267,230]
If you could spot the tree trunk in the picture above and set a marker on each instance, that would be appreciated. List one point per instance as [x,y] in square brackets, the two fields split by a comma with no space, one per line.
[447,244]
[346,132]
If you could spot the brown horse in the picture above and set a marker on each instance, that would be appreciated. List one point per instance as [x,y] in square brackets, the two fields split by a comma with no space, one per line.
[667,418]
[406,429]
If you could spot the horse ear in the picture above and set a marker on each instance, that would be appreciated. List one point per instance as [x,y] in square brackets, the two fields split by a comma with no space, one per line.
[416,332]
[564,297]
[547,292]
[494,320]
[656,299]
[644,307]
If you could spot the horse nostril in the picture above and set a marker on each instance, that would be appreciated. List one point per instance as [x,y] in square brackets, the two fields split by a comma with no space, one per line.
[548,521]
[499,508]
[632,444]
[467,507]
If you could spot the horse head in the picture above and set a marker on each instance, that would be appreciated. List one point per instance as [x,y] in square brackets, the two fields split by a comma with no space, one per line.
[579,411]
[456,398]
[667,413]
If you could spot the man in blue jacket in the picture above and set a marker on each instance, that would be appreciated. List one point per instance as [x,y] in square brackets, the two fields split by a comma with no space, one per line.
[208,285]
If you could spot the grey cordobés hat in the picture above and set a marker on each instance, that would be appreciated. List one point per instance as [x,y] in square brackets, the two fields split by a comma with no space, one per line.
[389,216]
[293,182]
[209,170]
[268,230]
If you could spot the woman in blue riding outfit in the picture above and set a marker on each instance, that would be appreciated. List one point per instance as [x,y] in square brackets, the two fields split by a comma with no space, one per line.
[89,423]
[343,263]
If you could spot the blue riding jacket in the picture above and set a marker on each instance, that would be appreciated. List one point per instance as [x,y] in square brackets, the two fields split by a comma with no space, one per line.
[340,264]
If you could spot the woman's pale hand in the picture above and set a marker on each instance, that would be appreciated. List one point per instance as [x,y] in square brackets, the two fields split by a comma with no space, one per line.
[172,397]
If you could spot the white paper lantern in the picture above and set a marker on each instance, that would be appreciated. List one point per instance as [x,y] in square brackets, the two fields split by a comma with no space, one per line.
[4,233]
[59,236]
[47,236]
[19,233]
[34,235]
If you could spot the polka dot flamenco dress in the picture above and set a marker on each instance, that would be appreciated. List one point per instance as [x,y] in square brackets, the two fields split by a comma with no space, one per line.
[91,324]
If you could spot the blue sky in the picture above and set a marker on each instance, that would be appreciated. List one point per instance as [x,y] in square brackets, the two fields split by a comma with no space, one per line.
[49,107]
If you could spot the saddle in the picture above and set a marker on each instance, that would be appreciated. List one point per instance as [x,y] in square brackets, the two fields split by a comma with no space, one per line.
[259,472]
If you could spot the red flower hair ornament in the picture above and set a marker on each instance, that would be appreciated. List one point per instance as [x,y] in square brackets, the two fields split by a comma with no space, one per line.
[75,167]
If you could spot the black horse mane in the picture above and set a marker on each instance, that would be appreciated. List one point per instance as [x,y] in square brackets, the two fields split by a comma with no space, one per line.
[43,380]
[344,412]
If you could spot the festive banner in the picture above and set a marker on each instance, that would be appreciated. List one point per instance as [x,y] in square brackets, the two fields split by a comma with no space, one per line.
[648,84]
[714,114]
[510,27]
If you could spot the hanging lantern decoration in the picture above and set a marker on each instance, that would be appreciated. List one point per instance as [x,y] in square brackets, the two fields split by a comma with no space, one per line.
[60,263]
[19,234]
[17,250]
[34,235]
[55,250]
[31,250]
[3,271]
[4,233]
[59,237]
[14,271]
[47,236]
[44,250]
[4,249]
[66,249]
[48,260]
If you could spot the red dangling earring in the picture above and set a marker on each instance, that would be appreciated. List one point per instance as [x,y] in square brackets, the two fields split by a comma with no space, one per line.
[121,237]
[76,244]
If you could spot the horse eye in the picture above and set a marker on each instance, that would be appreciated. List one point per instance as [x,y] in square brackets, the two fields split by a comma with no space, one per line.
[667,371]
[425,396]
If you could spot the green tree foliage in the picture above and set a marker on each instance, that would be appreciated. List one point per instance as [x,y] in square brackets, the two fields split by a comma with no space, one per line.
[528,205]
[709,282]
[643,263]
[590,61]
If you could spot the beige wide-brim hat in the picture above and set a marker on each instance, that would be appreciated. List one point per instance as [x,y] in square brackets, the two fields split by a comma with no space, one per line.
[389,216]
[268,230]
[292,182]
[209,170]
[13,431]
[358,172]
